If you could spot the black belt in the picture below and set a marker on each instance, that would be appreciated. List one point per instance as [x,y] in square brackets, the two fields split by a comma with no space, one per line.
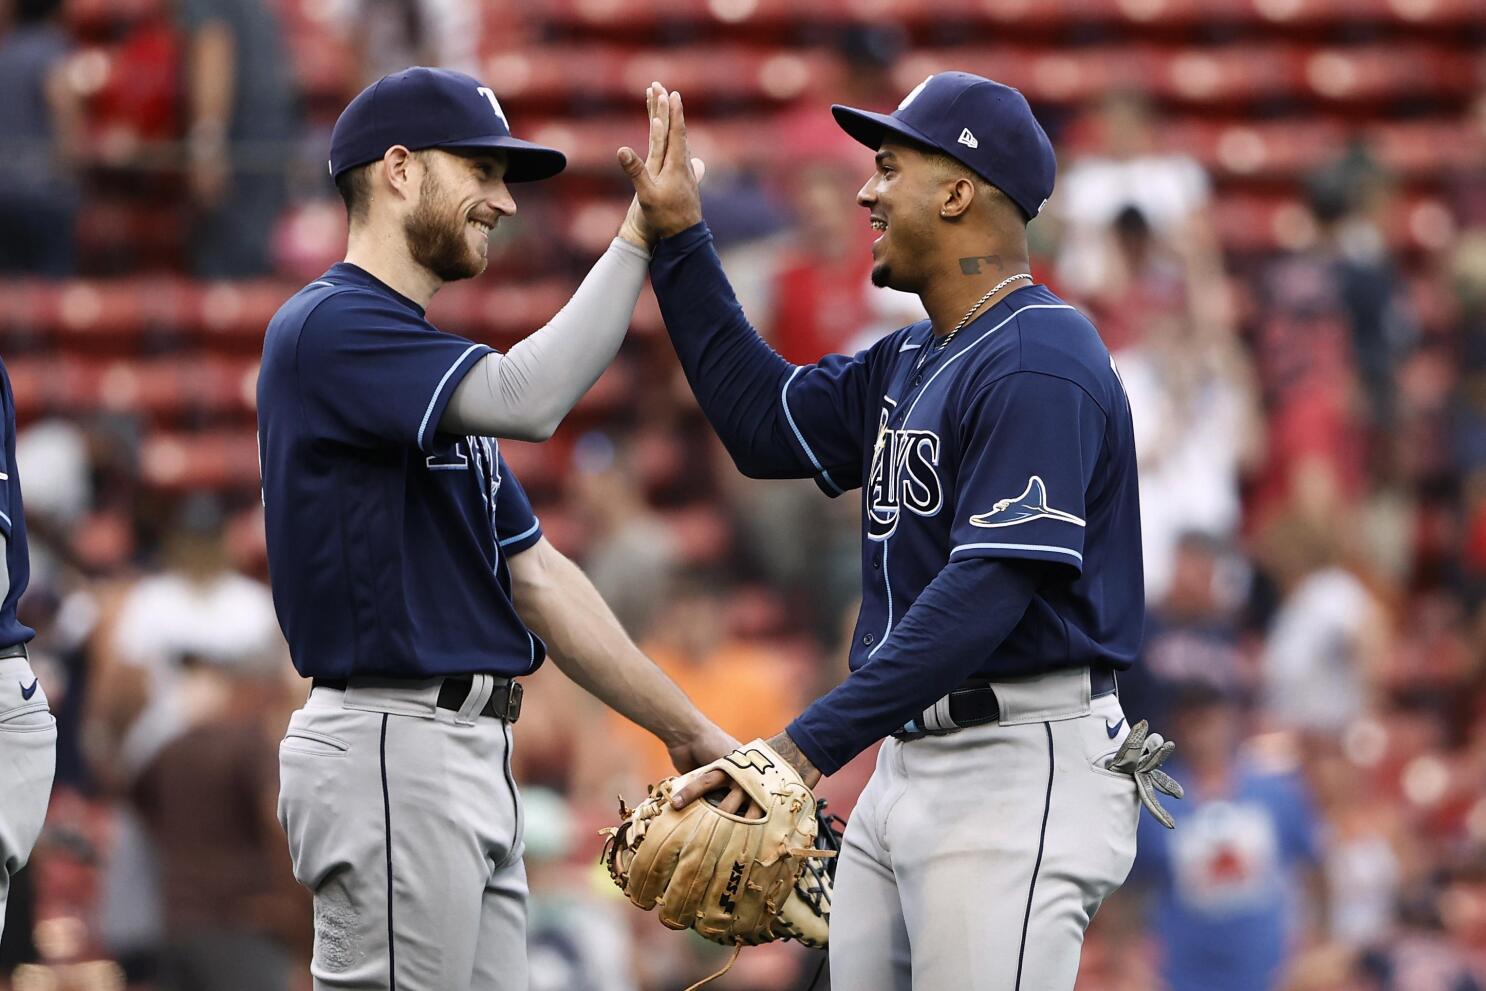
[14,650]
[505,701]
[975,704]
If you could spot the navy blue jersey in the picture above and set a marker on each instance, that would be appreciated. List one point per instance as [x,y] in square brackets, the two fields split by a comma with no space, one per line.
[13,525]
[1013,441]
[387,540]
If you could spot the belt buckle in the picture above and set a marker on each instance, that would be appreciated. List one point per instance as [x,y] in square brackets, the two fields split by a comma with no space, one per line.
[514,694]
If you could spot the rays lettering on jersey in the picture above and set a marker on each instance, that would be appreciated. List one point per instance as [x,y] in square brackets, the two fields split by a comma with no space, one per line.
[905,474]
[465,453]
[487,469]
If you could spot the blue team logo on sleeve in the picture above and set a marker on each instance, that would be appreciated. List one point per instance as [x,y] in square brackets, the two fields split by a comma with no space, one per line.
[1030,505]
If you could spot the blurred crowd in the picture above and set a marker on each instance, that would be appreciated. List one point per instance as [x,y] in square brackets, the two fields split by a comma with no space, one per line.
[1311,424]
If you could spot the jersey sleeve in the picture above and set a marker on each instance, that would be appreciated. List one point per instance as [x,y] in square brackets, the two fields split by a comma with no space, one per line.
[777,419]
[825,410]
[1031,442]
[516,525]
[372,373]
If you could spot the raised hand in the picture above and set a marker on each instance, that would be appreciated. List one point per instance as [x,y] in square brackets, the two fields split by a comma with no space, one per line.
[666,185]
[657,108]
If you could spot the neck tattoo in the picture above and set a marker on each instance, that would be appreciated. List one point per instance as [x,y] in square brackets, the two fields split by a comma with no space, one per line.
[943,342]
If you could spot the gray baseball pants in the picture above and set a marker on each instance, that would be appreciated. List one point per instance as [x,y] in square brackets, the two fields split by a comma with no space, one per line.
[28,760]
[404,821]
[974,860]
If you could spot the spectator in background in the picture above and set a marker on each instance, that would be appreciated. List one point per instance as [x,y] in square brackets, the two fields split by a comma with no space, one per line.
[1225,888]
[578,938]
[822,299]
[1171,191]
[1144,289]
[742,684]
[1367,845]
[241,122]
[389,35]
[141,697]
[630,554]
[821,293]
[1192,399]
[1421,956]
[1192,634]
[232,910]
[198,610]
[41,125]
[1348,201]
[1326,644]
[1467,406]
[1308,372]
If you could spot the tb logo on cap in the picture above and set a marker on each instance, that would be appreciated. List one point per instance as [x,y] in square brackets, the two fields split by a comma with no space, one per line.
[914,92]
[489,94]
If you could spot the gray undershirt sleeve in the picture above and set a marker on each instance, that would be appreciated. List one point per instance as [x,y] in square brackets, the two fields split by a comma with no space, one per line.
[524,393]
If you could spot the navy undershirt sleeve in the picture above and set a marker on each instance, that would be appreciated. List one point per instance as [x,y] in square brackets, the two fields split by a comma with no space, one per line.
[953,626]
[736,376]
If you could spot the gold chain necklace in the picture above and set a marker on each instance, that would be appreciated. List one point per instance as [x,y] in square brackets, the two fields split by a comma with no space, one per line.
[943,342]
[979,303]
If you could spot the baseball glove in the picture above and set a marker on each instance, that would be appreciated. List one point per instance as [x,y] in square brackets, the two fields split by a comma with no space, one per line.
[736,881]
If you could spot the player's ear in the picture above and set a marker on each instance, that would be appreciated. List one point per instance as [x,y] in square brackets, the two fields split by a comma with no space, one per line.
[959,194]
[400,167]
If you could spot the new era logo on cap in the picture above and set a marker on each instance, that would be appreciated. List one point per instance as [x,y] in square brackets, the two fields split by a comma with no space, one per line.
[968,140]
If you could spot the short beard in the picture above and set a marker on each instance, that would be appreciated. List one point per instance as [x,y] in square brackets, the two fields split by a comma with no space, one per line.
[436,242]
[882,276]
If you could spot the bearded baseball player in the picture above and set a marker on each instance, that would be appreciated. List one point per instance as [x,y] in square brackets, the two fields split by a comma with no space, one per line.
[28,733]
[1000,555]
[411,578]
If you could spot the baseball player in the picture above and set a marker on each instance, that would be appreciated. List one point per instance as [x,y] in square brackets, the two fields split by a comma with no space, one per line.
[1000,554]
[28,733]
[410,576]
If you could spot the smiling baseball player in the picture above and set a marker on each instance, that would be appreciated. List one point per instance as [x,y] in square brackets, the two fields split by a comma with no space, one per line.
[28,733]
[1000,555]
[411,578]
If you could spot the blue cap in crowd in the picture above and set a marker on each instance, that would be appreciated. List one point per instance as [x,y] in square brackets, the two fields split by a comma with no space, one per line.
[984,125]
[433,108]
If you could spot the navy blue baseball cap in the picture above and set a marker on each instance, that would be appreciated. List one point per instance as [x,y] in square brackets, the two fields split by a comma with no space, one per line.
[433,108]
[980,123]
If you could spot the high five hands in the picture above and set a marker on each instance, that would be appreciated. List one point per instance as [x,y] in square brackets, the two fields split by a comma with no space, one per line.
[667,198]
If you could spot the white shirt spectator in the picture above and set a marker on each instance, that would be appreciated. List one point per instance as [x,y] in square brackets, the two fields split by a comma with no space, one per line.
[226,619]
[1189,449]
[1314,664]
[1167,189]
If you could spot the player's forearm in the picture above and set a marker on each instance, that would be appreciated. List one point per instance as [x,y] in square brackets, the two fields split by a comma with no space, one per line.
[586,641]
[525,393]
[736,376]
[944,638]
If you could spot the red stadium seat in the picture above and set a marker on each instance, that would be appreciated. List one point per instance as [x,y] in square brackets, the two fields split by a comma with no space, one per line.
[544,76]
[1256,222]
[161,389]
[215,460]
